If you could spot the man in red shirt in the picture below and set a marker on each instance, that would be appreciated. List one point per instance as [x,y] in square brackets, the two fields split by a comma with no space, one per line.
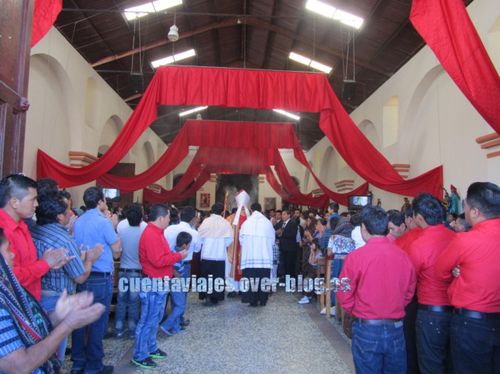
[157,263]
[412,231]
[475,292]
[18,201]
[434,309]
[378,281]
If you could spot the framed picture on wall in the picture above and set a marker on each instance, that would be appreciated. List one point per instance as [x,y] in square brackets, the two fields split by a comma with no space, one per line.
[269,203]
[204,200]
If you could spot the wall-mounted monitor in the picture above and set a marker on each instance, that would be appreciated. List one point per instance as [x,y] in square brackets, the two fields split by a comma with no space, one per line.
[357,202]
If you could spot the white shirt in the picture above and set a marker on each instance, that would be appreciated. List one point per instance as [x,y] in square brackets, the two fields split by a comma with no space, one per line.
[356,236]
[257,237]
[172,231]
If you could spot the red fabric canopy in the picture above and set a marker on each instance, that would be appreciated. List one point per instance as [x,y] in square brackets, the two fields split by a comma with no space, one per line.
[448,31]
[44,15]
[260,89]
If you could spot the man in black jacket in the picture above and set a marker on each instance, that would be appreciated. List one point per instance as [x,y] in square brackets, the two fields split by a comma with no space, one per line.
[288,243]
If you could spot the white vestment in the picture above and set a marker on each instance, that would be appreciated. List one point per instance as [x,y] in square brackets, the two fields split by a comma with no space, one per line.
[257,237]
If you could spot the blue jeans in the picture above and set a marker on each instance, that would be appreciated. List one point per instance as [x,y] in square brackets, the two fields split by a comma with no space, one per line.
[475,345]
[173,321]
[87,350]
[152,309]
[379,349]
[433,348]
[128,299]
[48,303]
[337,265]
[186,275]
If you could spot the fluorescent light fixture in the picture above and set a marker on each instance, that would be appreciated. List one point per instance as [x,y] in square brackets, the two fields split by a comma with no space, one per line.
[149,7]
[287,114]
[191,111]
[329,11]
[171,59]
[311,63]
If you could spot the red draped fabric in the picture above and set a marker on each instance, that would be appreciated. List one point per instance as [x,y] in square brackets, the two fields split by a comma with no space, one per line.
[45,13]
[260,89]
[448,31]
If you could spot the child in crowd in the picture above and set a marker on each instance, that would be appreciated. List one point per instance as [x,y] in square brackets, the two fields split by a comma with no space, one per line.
[172,325]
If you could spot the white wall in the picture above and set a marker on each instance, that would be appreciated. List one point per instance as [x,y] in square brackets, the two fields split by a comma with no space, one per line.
[73,109]
[437,125]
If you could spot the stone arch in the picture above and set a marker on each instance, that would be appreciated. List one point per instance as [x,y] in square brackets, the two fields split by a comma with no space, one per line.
[370,131]
[149,154]
[49,124]
[109,133]
[390,121]
[329,166]
[409,128]
[307,175]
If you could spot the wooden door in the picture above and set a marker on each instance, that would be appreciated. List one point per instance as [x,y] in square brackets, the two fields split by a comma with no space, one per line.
[15,40]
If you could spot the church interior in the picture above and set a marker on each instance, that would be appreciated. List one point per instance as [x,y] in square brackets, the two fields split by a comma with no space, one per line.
[297,102]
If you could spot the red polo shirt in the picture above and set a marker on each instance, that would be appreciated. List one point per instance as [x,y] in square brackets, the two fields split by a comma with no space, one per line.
[27,268]
[424,252]
[156,259]
[382,280]
[477,252]
[405,241]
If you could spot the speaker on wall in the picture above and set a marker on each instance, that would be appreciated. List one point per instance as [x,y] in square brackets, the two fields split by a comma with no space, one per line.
[348,90]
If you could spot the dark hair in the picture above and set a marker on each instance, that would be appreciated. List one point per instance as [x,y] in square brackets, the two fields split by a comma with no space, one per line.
[183,238]
[187,213]
[429,208]
[344,214]
[408,212]
[174,215]
[46,186]
[356,219]
[256,207]
[83,208]
[334,206]
[217,208]
[278,211]
[285,210]
[234,210]
[49,207]
[14,185]
[333,222]
[485,197]
[375,220]
[133,214]
[92,196]
[396,217]
[158,210]
[63,193]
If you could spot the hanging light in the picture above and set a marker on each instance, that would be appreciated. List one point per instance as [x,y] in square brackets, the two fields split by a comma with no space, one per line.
[173,34]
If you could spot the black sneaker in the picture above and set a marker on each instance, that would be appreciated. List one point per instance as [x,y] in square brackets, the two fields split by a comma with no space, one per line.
[147,363]
[158,355]
[107,369]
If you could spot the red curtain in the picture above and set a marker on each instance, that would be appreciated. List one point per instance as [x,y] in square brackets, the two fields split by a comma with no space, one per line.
[45,13]
[260,89]
[448,31]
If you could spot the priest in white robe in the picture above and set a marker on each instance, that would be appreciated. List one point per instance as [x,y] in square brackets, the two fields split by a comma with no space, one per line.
[257,238]
[216,235]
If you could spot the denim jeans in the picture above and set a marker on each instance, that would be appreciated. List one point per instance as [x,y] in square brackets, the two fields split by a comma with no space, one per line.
[433,336]
[475,345]
[186,275]
[48,303]
[87,350]
[128,299]
[337,265]
[152,309]
[379,349]
[173,321]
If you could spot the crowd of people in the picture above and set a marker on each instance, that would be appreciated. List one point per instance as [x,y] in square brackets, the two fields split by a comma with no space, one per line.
[420,285]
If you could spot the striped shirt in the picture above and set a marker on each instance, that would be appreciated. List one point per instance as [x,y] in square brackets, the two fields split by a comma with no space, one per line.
[9,337]
[54,235]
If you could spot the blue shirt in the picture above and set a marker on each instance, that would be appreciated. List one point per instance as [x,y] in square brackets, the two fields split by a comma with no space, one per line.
[54,235]
[10,340]
[93,228]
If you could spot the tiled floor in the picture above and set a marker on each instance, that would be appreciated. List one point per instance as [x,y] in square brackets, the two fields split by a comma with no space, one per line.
[283,337]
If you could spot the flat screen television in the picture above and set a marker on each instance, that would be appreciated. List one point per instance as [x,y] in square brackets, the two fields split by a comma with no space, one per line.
[357,202]
[111,193]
